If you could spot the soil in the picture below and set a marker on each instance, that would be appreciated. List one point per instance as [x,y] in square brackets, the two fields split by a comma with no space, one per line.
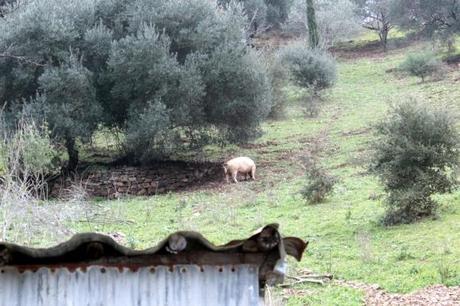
[435,295]
[372,49]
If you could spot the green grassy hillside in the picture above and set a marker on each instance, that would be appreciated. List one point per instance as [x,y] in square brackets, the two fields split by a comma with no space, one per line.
[345,236]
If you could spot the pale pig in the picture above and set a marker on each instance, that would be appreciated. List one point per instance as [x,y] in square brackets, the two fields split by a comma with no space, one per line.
[243,165]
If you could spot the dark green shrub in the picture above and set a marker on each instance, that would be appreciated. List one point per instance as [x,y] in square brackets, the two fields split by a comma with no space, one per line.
[277,12]
[148,134]
[320,183]
[238,93]
[421,64]
[71,108]
[309,68]
[415,154]
[266,13]
[255,11]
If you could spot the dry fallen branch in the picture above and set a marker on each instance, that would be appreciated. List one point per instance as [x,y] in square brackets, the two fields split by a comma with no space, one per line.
[308,277]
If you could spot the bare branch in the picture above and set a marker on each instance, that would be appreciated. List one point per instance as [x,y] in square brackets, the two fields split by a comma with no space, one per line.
[369,27]
[21,59]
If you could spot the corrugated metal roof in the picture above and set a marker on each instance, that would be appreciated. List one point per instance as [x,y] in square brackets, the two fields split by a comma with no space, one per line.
[179,286]
[83,264]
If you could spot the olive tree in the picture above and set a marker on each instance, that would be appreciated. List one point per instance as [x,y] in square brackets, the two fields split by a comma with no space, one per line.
[376,15]
[436,19]
[168,74]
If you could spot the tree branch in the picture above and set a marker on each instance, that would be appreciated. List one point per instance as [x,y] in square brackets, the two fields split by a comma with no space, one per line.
[369,27]
[21,59]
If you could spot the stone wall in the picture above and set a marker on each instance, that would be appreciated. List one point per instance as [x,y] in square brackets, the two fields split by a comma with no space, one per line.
[164,177]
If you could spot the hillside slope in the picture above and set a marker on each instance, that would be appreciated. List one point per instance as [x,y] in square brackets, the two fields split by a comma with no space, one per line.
[345,236]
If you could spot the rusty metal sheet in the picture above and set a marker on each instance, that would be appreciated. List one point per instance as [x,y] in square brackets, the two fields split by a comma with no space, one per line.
[180,285]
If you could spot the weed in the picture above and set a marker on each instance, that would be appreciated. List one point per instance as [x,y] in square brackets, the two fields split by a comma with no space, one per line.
[404,254]
[446,272]
[365,247]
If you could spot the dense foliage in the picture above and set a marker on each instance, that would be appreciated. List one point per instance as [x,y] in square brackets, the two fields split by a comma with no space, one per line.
[415,157]
[263,14]
[313,70]
[434,18]
[169,74]
[309,68]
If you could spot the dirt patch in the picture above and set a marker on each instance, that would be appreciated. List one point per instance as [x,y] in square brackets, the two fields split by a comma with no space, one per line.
[370,49]
[452,60]
[429,296]
[356,132]
[272,39]
[259,145]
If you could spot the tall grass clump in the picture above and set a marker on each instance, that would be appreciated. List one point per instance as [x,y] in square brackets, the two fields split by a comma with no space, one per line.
[26,158]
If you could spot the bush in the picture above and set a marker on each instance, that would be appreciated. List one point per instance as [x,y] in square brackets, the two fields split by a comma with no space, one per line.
[255,11]
[26,150]
[309,68]
[319,185]
[26,156]
[421,65]
[415,153]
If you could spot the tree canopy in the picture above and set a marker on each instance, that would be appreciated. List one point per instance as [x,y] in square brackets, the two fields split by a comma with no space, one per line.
[169,74]
[432,18]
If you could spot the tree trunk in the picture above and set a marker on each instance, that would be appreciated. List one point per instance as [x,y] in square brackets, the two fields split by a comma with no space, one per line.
[384,38]
[312,26]
[73,154]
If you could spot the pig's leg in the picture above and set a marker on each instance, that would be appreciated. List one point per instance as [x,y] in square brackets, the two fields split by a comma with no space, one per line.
[234,175]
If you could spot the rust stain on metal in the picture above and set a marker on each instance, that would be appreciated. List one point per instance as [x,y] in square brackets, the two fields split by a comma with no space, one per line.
[182,255]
